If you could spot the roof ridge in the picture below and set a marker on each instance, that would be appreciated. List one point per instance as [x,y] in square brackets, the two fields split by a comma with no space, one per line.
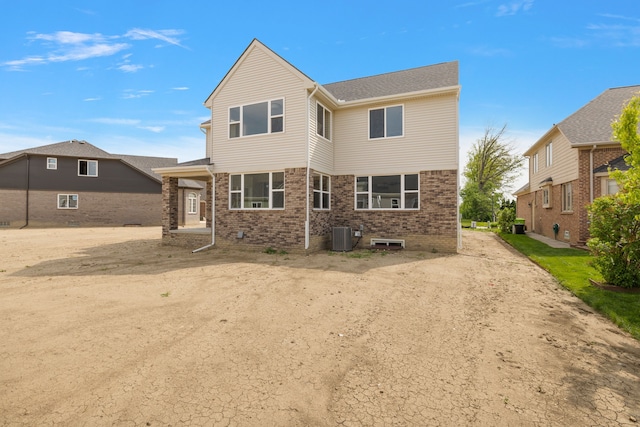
[390,72]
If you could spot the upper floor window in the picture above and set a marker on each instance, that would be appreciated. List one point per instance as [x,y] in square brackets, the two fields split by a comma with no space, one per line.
[567,197]
[255,119]
[387,192]
[67,201]
[52,163]
[87,167]
[535,163]
[192,201]
[321,191]
[323,122]
[257,191]
[386,122]
[549,154]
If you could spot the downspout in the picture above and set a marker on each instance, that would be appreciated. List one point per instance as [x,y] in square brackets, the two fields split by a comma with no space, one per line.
[591,173]
[27,198]
[213,214]
[307,231]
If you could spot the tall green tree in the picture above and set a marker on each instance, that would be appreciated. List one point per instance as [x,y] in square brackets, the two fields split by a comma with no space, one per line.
[615,219]
[491,166]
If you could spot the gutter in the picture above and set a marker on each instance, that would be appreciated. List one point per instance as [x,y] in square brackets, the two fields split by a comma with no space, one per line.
[213,213]
[26,223]
[307,231]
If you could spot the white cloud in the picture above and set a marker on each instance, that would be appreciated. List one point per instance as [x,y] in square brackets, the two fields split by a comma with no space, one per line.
[133,94]
[62,46]
[514,7]
[181,88]
[130,68]
[155,129]
[93,99]
[115,121]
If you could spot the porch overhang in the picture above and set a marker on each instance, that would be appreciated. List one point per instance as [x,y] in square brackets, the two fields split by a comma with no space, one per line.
[197,172]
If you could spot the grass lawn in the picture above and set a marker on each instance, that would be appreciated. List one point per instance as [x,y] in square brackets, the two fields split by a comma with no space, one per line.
[572,268]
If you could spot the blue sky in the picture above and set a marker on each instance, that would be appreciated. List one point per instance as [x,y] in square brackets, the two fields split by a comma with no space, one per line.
[131,76]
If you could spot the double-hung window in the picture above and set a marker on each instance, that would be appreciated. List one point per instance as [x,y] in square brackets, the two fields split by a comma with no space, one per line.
[87,168]
[52,163]
[546,196]
[321,191]
[67,201]
[257,191]
[386,122]
[549,154]
[388,192]
[256,119]
[567,197]
[535,163]
[323,121]
[192,201]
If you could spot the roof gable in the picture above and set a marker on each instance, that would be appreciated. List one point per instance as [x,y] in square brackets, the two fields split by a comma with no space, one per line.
[592,123]
[399,82]
[256,44]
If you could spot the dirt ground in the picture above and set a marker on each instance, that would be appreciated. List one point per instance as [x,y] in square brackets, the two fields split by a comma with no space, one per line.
[107,327]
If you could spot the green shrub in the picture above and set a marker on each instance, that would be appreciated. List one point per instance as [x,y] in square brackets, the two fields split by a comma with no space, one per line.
[506,218]
[615,240]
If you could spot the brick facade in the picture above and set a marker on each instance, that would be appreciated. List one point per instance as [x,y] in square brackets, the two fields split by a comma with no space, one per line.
[433,227]
[95,209]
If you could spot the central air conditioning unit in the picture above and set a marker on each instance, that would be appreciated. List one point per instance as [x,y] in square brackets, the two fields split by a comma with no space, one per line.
[342,239]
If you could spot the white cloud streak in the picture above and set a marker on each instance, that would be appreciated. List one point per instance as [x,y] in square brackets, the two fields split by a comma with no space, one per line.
[514,7]
[63,46]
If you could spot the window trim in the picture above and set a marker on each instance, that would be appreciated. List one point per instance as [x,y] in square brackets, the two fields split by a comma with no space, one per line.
[257,205]
[87,174]
[324,122]
[270,117]
[385,108]
[567,198]
[192,203]
[321,191]
[535,165]
[402,198]
[547,194]
[67,198]
[52,165]
[549,154]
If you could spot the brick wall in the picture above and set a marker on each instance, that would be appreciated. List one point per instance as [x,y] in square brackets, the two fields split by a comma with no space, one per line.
[13,207]
[600,157]
[94,209]
[432,227]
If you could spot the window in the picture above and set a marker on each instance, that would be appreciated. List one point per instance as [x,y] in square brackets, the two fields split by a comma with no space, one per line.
[567,197]
[546,196]
[549,154]
[387,192]
[257,191]
[386,122]
[67,201]
[321,191]
[535,163]
[609,186]
[192,201]
[88,167]
[323,122]
[52,163]
[255,119]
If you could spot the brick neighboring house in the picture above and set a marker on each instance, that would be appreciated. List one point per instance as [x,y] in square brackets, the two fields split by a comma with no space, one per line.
[289,159]
[568,169]
[74,183]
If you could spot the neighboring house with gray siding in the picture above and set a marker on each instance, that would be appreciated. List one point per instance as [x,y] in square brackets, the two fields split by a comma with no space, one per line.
[289,159]
[568,168]
[74,183]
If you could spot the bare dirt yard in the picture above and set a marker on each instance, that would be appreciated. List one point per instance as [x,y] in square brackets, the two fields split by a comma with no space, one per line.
[108,327]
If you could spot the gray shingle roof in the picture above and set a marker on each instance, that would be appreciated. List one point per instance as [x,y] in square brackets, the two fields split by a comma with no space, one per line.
[592,123]
[146,164]
[616,164]
[72,148]
[405,81]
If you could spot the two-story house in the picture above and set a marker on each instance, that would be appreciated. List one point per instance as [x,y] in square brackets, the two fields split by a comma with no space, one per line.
[288,159]
[568,168]
[75,183]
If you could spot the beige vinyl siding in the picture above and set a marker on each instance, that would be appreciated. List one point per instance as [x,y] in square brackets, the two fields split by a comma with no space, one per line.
[259,77]
[430,140]
[320,149]
[564,167]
